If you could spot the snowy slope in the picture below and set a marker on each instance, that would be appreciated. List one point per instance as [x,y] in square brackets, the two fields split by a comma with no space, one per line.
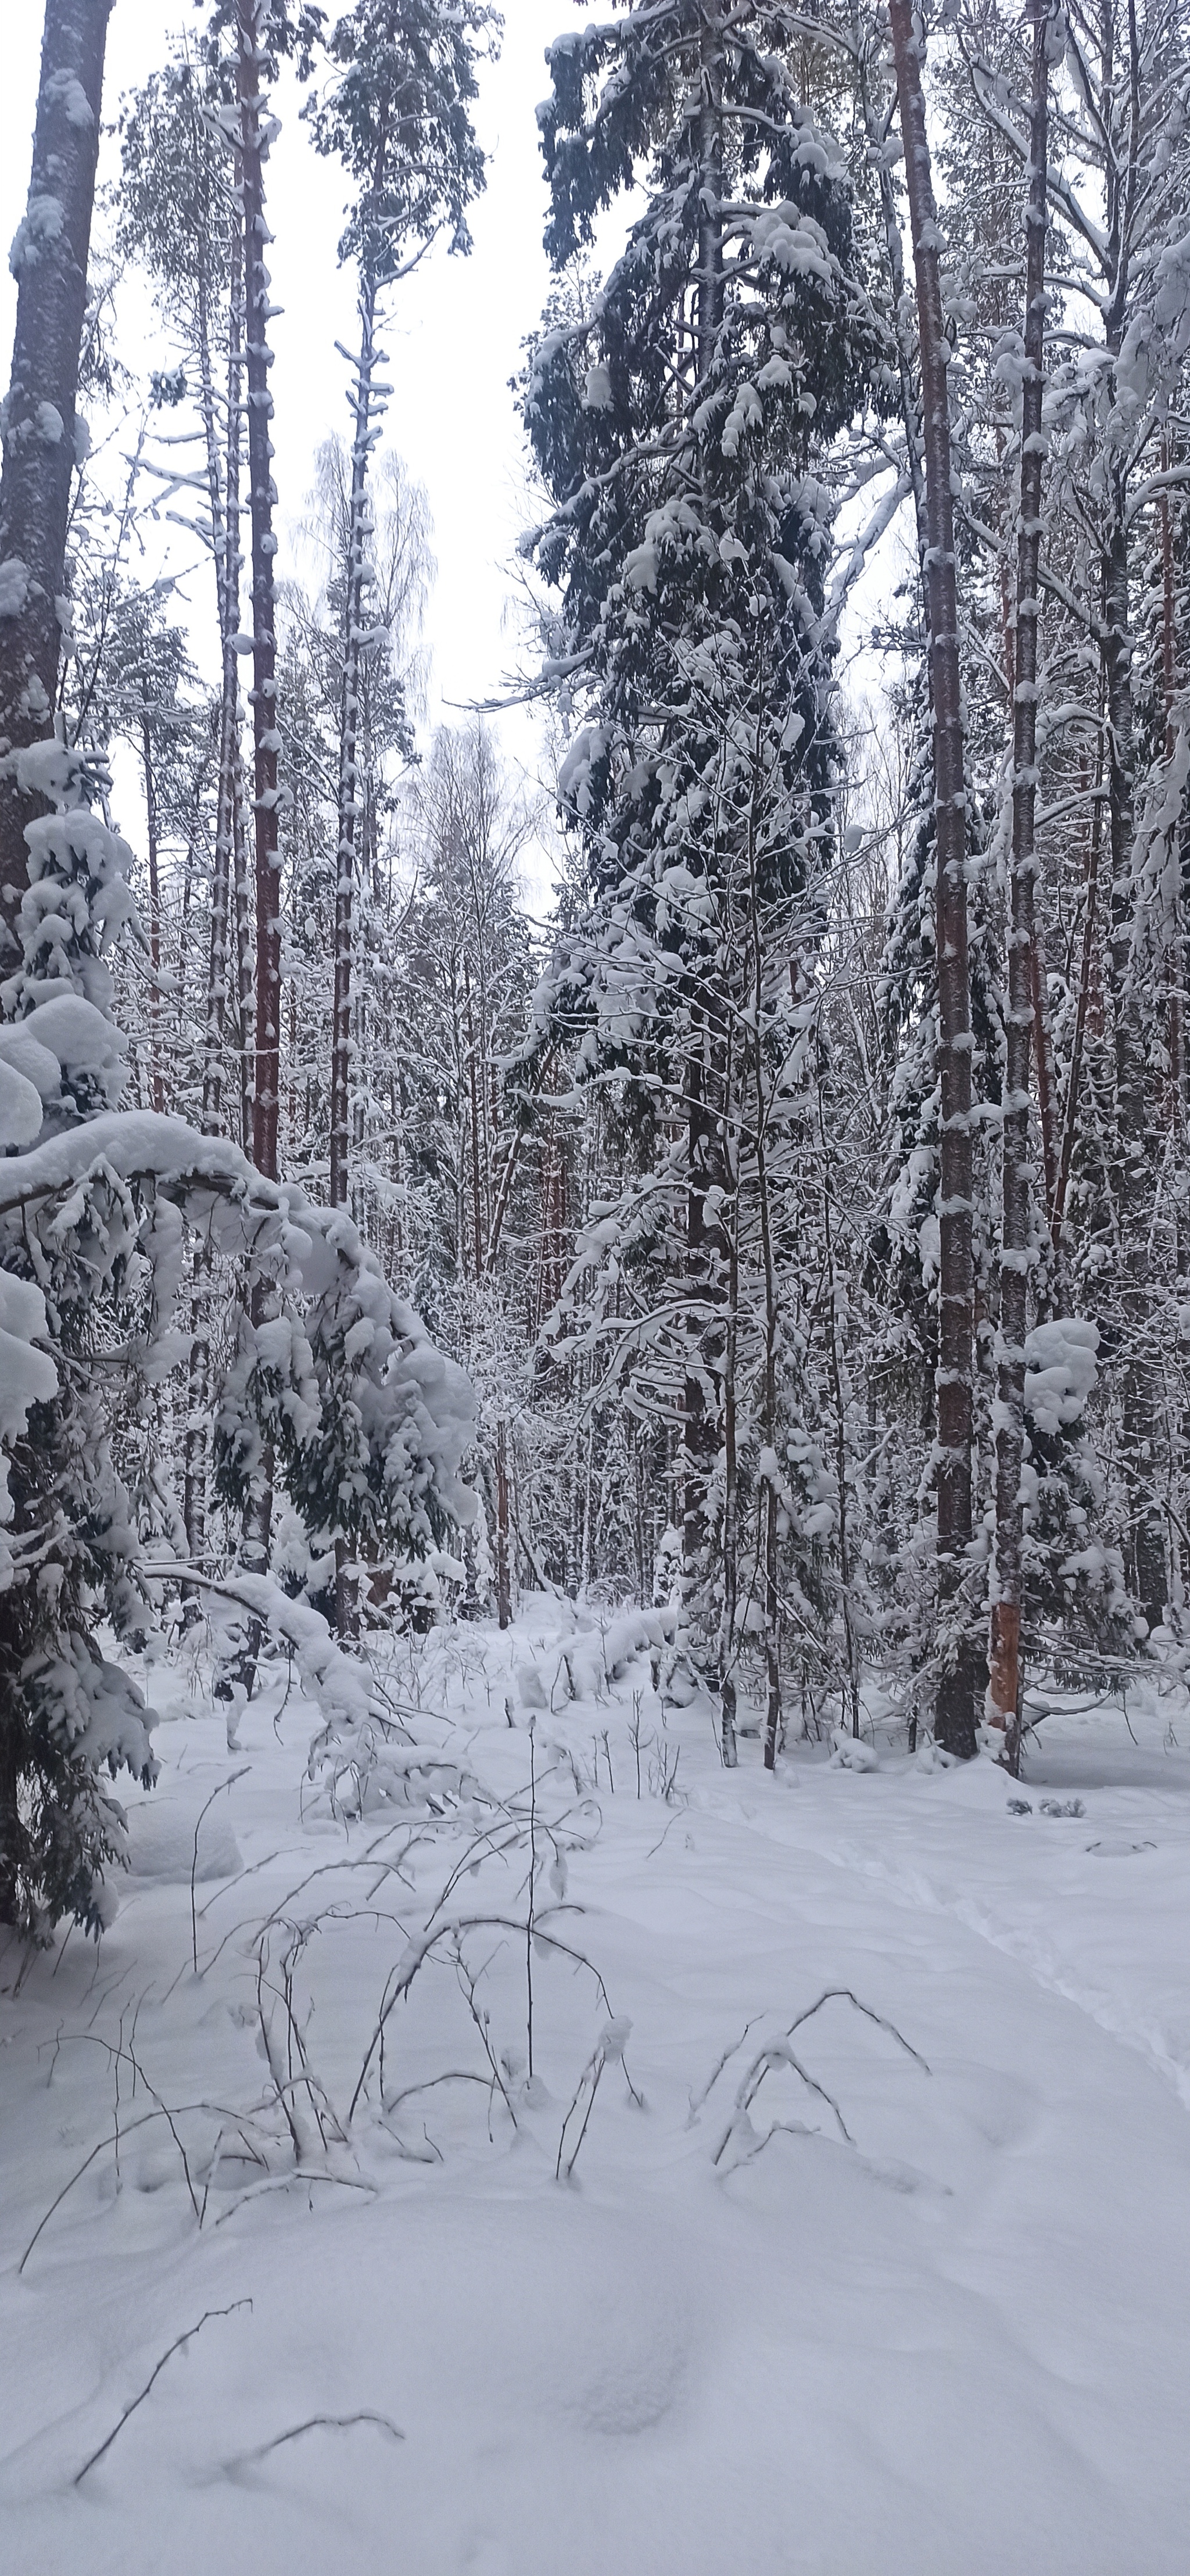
[932,2330]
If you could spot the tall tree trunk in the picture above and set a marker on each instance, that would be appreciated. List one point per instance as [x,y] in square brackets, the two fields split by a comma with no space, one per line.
[358,530]
[1142,1393]
[252,19]
[851,1682]
[153,836]
[1017,1253]
[223,489]
[473,1094]
[731,1505]
[876,130]
[49,258]
[1083,1004]
[245,980]
[503,1564]
[1172,930]
[224,494]
[957,1691]
[706,1249]
[772,1311]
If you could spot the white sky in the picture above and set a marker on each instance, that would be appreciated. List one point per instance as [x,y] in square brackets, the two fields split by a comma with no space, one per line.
[453,339]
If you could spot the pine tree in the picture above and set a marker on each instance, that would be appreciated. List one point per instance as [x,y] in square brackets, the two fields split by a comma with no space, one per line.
[399,115]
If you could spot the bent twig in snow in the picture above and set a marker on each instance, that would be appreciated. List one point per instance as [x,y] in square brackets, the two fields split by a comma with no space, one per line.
[779,2052]
[313,2424]
[229,1783]
[154,2375]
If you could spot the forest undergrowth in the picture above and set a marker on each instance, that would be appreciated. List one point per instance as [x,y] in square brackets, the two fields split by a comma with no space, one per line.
[784,2084]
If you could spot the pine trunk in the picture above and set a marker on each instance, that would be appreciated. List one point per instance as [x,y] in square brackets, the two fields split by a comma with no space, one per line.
[252,17]
[223,488]
[224,492]
[731,1508]
[957,1690]
[1017,1254]
[349,802]
[245,981]
[252,27]
[153,837]
[704,1244]
[503,1563]
[876,129]
[1143,1393]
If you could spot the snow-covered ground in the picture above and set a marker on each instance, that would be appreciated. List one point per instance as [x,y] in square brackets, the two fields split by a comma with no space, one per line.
[918,2308]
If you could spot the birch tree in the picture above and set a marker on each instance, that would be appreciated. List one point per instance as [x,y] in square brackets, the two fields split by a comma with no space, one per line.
[43,434]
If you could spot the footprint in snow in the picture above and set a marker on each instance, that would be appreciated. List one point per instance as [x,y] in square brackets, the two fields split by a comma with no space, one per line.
[1049,1807]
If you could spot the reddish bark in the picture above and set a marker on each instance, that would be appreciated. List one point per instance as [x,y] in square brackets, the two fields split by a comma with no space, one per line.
[955,1716]
[251,29]
[1023,976]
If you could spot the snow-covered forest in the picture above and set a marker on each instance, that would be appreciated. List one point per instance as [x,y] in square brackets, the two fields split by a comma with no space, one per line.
[595,1303]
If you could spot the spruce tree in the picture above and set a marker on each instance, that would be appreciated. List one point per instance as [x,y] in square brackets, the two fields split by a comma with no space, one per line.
[677,424]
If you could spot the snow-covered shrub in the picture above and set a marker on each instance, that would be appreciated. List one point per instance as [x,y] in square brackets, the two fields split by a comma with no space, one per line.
[1073,1583]
[99,1210]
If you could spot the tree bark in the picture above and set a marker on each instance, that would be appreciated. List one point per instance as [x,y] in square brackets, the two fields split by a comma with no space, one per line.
[876,131]
[358,530]
[153,837]
[245,982]
[1142,1393]
[224,491]
[503,1568]
[1017,1255]
[41,430]
[252,17]
[349,806]
[706,1248]
[223,486]
[252,20]
[1083,1004]
[955,1717]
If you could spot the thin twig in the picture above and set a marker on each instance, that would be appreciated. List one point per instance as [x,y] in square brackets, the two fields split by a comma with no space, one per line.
[154,2375]
[314,2424]
[229,1783]
[843,1994]
[593,2070]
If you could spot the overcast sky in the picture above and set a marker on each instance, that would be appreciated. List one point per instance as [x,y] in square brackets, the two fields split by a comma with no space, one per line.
[453,339]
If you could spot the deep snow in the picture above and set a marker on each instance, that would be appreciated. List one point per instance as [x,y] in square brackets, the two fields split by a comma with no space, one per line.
[947,2342]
